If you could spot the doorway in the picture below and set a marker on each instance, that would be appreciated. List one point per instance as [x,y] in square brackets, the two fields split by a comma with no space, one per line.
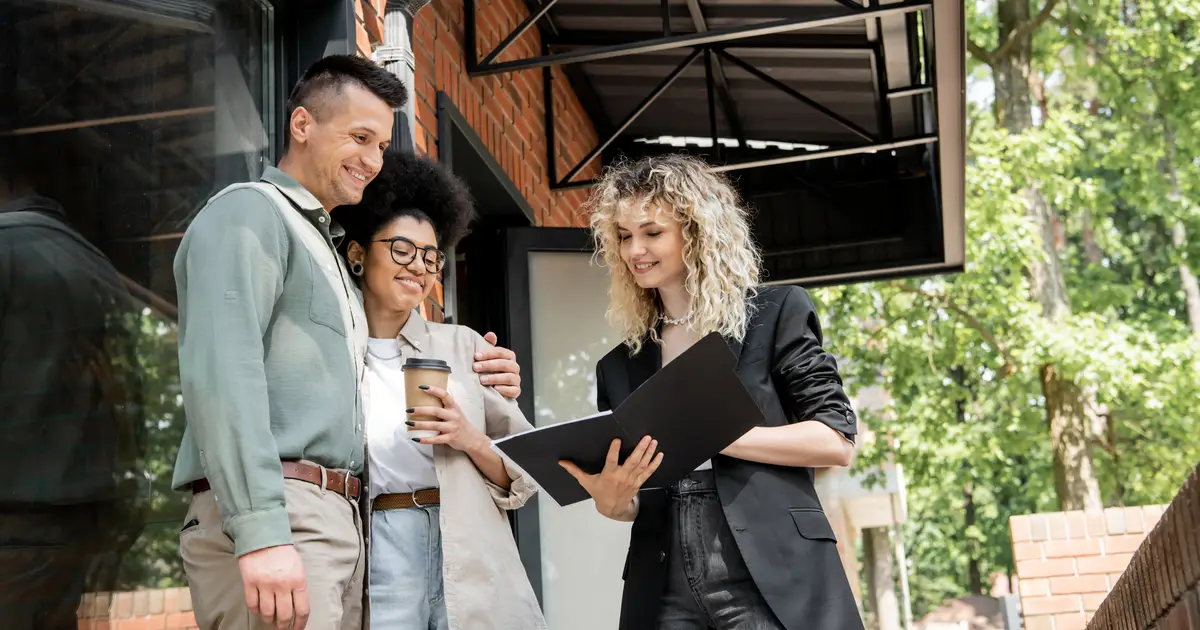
[539,291]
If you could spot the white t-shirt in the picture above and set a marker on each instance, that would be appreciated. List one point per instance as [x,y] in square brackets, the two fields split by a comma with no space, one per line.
[397,463]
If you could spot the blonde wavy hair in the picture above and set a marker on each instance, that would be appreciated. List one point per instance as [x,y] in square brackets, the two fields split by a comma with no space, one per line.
[723,264]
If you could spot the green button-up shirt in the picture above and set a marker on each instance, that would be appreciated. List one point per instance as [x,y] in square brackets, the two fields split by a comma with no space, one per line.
[272,339]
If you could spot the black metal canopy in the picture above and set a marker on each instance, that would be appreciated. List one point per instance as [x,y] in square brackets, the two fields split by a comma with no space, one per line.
[842,122]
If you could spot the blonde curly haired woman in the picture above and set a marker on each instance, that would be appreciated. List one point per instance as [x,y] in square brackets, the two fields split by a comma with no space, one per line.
[741,543]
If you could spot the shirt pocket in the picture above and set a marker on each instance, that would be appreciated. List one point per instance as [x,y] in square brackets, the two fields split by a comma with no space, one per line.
[324,307]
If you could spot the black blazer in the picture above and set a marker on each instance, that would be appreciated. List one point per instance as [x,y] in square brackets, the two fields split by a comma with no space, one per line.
[773,511]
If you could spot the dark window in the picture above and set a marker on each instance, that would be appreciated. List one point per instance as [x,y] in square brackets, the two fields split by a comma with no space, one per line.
[118,120]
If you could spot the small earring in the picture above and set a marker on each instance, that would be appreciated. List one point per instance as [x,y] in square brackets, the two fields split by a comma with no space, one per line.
[356,269]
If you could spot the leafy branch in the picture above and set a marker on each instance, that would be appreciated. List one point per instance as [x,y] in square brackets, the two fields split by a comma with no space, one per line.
[1017,35]
[1010,366]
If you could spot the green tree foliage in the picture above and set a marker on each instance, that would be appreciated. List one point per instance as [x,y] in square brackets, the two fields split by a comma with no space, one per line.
[1114,94]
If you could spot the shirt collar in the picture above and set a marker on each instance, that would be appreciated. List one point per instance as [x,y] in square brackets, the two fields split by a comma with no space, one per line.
[415,330]
[305,202]
[35,203]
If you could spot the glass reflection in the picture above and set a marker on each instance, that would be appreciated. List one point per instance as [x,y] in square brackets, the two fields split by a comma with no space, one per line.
[118,119]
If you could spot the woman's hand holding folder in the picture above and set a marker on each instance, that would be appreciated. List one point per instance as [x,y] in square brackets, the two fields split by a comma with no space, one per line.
[615,489]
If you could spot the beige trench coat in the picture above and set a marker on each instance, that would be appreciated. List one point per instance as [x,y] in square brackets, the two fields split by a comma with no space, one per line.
[485,583]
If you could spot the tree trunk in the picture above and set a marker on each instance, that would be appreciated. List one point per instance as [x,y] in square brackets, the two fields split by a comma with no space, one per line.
[1074,473]
[880,578]
[1066,410]
[974,575]
[1191,289]
[1187,279]
[1091,249]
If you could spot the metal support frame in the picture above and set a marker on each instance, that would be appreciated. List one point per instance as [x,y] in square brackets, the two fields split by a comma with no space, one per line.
[710,43]
[787,89]
[637,111]
[717,79]
[776,27]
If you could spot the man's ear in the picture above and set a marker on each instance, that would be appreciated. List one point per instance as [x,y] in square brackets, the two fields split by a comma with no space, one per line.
[300,124]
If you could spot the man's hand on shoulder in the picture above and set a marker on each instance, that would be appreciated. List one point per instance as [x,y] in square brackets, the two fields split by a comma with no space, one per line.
[497,367]
[276,588]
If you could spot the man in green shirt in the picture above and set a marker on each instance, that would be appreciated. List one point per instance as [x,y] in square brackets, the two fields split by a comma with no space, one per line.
[272,338]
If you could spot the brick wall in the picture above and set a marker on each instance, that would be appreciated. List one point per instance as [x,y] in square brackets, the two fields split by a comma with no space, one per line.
[505,110]
[1068,561]
[1161,588]
[162,609]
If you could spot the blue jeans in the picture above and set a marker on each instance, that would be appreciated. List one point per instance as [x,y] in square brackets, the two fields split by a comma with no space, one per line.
[406,570]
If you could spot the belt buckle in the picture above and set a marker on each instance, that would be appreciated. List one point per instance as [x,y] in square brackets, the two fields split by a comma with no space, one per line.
[414,499]
[346,486]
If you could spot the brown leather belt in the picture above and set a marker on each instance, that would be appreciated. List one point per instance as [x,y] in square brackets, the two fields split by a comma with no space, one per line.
[420,498]
[334,480]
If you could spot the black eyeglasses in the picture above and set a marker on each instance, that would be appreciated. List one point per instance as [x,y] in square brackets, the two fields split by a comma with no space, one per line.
[405,251]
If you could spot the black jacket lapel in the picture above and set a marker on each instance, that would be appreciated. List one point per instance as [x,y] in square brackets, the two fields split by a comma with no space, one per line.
[644,364]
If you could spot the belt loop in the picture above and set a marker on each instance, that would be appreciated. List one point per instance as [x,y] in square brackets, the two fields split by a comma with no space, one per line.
[324,479]
[346,486]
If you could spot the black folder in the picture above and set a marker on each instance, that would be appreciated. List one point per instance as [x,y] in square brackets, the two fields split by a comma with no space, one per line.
[695,406]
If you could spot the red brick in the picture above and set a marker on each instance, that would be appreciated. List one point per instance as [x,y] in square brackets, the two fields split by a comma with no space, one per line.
[156,602]
[1039,622]
[1096,527]
[138,623]
[141,603]
[1051,605]
[1152,514]
[1073,621]
[171,601]
[1058,526]
[1133,520]
[176,621]
[1127,543]
[1079,584]
[1045,568]
[1035,587]
[1104,564]
[1076,524]
[124,606]
[156,622]
[1072,548]
[1092,601]
[1115,520]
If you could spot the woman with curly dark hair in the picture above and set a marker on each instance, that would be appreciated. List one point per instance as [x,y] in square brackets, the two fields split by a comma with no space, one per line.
[442,555]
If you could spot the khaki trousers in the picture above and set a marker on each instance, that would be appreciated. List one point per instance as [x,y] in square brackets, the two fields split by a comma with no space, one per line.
[327,532]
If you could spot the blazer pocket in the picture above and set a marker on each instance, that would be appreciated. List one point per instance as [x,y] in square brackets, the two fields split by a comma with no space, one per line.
[324,307]
[812,524]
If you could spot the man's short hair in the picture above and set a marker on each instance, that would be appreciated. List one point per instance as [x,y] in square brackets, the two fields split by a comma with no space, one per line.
[324,82]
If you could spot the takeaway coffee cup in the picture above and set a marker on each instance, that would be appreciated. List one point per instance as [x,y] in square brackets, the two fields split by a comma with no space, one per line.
[418,372]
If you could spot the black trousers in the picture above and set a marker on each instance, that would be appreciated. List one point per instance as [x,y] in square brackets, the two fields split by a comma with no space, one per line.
[708,584]
[50,556]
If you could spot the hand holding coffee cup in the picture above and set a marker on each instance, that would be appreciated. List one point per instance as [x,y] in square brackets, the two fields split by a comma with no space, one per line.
[435,417]
[419,376]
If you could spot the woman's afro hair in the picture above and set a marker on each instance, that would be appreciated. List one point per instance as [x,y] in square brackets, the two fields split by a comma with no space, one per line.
[411,185]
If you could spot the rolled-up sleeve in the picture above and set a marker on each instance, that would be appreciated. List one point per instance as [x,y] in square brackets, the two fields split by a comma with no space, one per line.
[230,274]
[503,418]
[808,373]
